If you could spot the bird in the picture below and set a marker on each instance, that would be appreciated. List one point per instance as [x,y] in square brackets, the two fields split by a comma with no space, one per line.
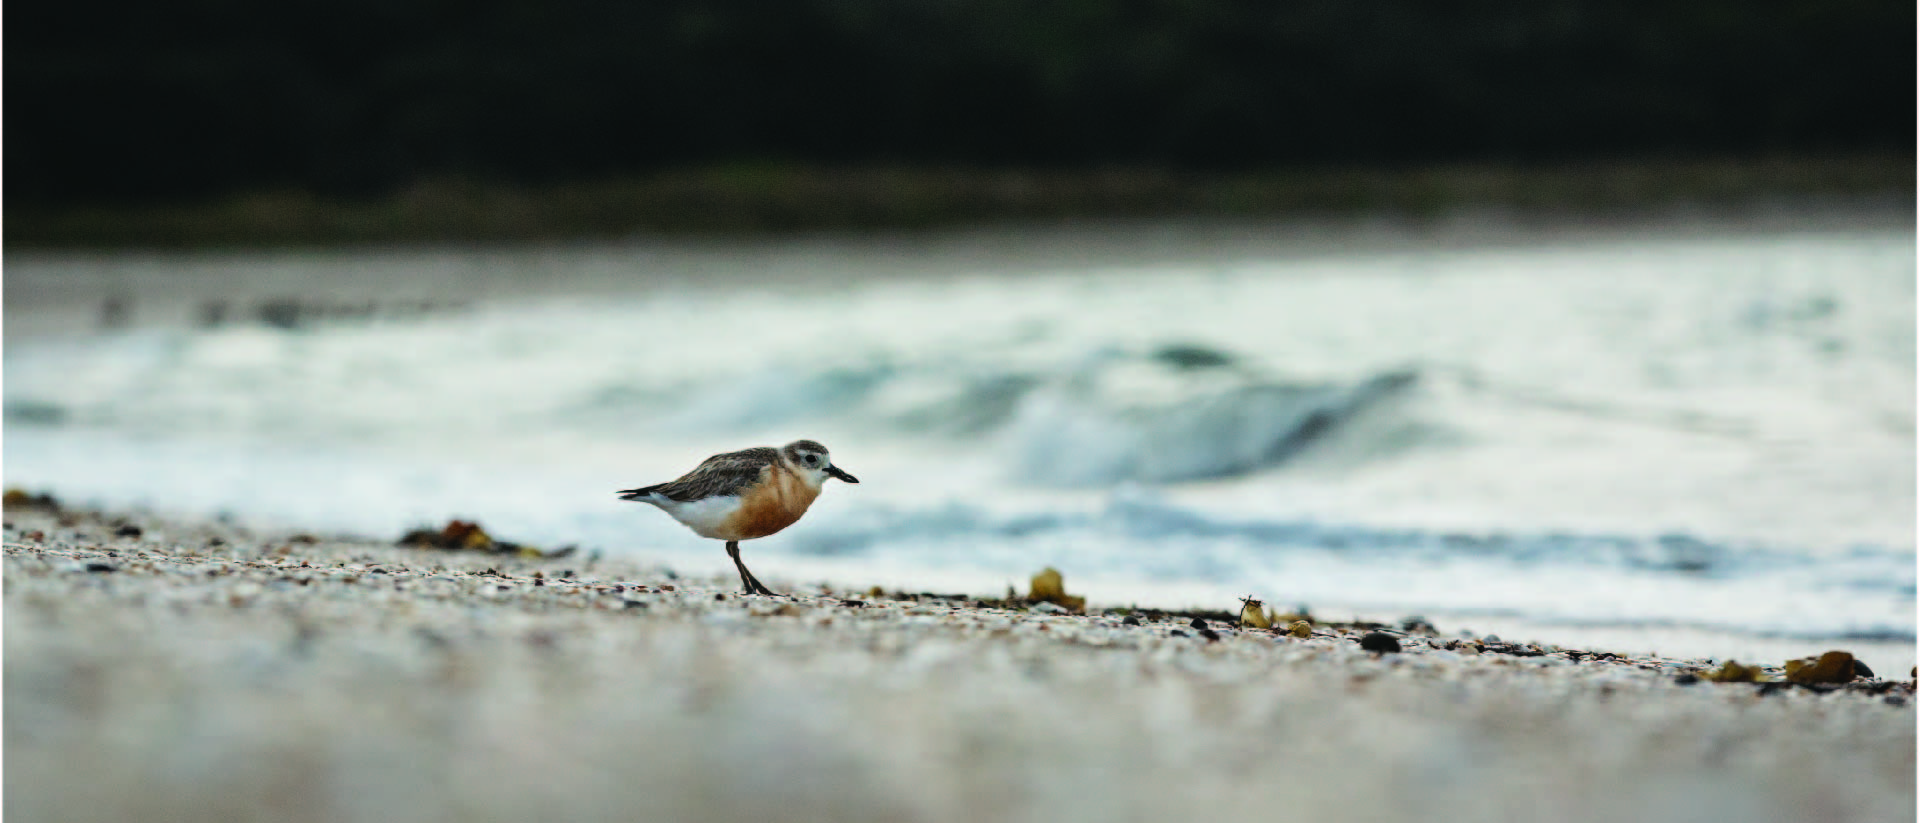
[744,495]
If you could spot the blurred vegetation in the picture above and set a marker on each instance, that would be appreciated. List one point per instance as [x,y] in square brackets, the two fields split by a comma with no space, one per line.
[196,121]
[732,200]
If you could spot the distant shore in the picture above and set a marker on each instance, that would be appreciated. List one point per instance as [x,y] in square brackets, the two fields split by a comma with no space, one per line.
[63,290]
[202,671]
[757,199]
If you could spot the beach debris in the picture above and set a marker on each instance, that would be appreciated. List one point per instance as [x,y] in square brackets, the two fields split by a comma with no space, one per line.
[1049,586]
[1046,585]
[1514,649]
[1379,642]
[21,499]
[1200,626]
[1732,672]
[1832,667]
[466,535]
[1417,624]
[457,534]
[1287,618]
[1300,628]
[1253,615]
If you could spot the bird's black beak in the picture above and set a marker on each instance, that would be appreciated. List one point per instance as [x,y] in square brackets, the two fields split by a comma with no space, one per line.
[834,471]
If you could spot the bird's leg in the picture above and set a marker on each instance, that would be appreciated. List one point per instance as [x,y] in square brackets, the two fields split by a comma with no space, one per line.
[746,579]
[752,584]
[762,586]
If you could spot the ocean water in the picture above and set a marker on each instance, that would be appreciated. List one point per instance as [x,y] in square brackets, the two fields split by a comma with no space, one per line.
[1707,436]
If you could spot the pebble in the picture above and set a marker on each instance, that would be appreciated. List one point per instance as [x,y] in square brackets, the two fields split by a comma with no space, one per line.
[1379,642]
[470,605]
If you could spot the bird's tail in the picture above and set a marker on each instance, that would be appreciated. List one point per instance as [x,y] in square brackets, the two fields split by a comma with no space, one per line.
[638,494]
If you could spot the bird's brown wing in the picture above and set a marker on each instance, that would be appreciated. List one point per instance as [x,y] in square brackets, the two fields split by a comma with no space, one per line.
[719,475]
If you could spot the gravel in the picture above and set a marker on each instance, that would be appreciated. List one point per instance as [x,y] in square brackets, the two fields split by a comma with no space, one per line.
[217,674]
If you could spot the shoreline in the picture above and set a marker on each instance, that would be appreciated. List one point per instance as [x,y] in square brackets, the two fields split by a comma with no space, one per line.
[215,671]
[64,292]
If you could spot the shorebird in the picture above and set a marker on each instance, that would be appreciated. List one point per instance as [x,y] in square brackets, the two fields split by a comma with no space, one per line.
[745,494]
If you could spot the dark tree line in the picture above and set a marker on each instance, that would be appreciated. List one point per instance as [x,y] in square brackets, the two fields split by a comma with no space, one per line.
[165,100]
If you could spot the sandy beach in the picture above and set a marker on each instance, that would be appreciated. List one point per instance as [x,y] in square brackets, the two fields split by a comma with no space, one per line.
[172,671]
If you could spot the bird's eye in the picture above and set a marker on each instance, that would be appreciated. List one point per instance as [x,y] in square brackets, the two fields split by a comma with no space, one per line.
[813,460]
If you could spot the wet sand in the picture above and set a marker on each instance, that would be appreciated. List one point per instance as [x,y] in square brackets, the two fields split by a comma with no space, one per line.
[173,671]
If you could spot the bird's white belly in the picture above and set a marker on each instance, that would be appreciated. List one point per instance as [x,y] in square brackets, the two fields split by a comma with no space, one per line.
[707,517]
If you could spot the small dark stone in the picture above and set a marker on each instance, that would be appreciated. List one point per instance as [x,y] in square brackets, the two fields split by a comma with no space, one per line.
[1686,678]
[633,604]
[720,597]
[539,581]
[1379,642]
[1895,700]
[1178,633]
[1130,621]
[1210,635]
[100,567]
[127,530]
[1861,671]
[1198,623]
[566,573]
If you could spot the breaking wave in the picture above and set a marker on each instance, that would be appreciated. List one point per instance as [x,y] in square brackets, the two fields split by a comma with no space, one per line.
[1166,414]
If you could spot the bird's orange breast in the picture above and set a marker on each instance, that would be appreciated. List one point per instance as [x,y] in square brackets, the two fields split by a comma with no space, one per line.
[773,505]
